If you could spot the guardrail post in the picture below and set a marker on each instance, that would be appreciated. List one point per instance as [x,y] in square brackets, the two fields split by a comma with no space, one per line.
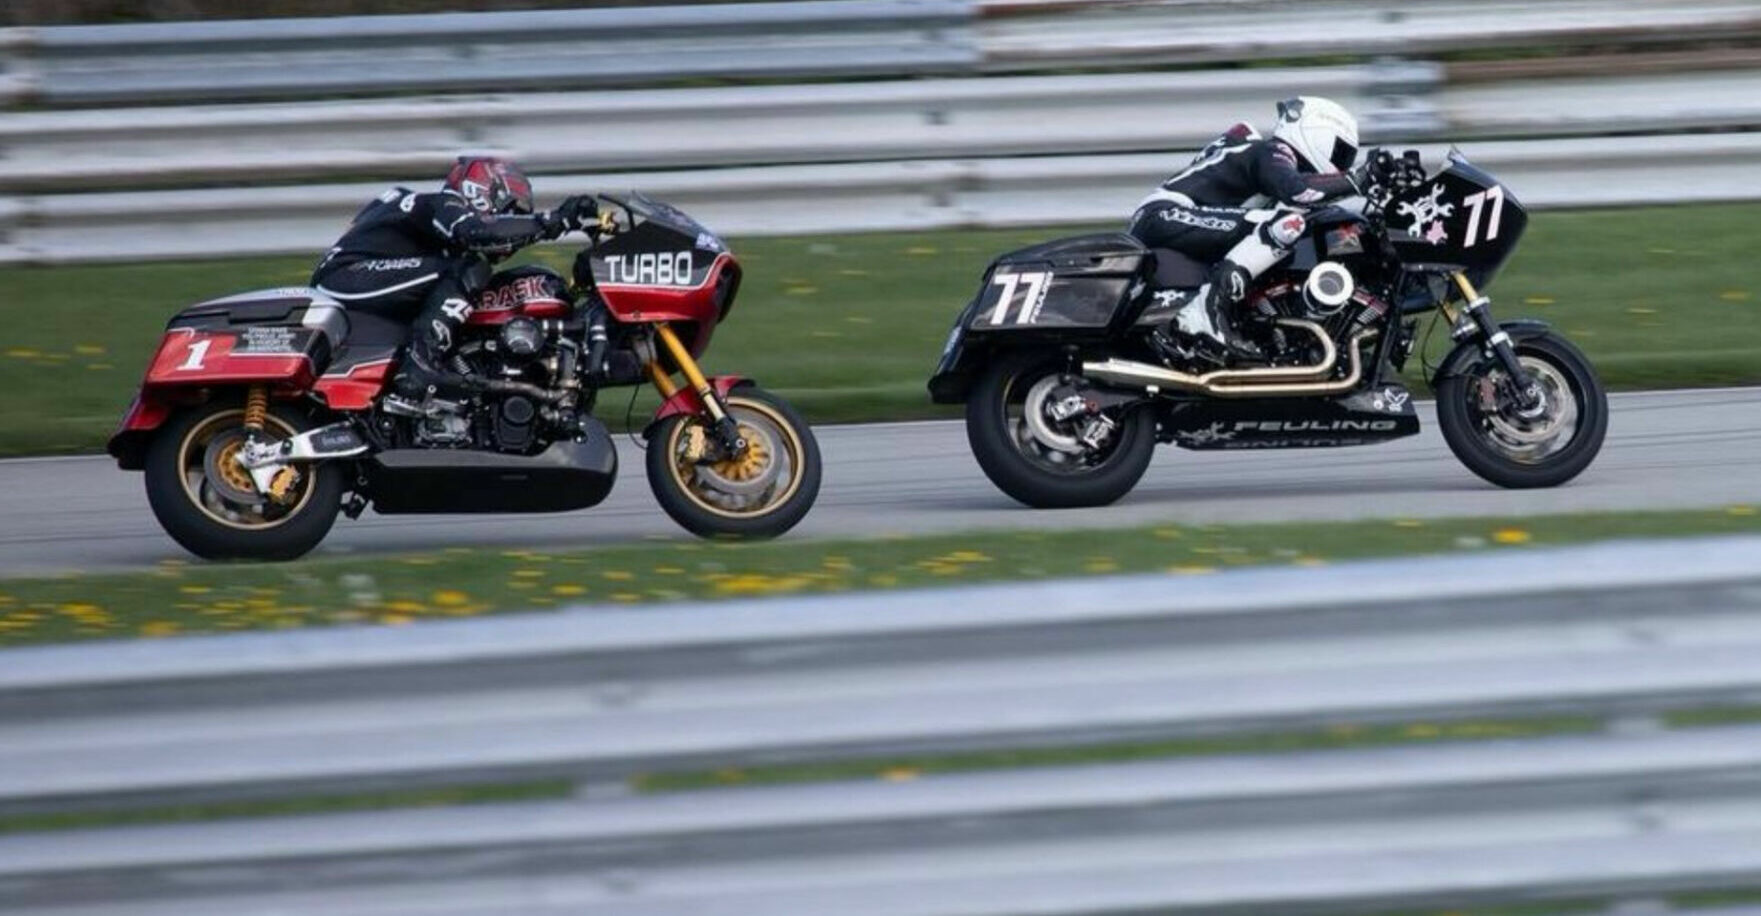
[20,76]
[1401,91]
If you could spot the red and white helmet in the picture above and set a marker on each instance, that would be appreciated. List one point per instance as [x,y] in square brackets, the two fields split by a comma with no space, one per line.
[490,185]
[1321,131]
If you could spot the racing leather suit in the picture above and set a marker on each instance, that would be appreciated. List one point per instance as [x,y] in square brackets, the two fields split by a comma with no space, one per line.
[1238,207]
[423,257]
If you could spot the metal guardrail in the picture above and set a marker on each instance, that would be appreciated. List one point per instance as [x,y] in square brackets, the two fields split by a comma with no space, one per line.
[920,119]
[849,156]
[267,58]
[539,49]
[1618,635]
[559,132]
[1126,33]
[869,196]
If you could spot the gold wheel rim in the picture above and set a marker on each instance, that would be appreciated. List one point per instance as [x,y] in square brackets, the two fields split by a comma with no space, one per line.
[792,448]
[195,444]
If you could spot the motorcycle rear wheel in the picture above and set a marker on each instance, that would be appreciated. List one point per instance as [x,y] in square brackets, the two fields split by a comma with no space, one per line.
[1043,467]
[209,505]
[1517,453]
[761,494]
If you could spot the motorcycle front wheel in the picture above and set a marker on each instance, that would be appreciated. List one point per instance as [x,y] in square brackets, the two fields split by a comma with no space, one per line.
[759,494]
[1492,438]
[208,503]
[1037,459]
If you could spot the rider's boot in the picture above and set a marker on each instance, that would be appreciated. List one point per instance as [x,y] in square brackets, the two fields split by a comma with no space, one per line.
[423,374]
[1207,322]
[1205,325]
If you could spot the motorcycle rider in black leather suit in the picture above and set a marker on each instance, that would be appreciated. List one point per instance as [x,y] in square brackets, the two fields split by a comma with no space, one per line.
[1239,207]
[427,256]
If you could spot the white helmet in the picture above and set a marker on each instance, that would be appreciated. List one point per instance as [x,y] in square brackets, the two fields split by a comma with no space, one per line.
[1321,131]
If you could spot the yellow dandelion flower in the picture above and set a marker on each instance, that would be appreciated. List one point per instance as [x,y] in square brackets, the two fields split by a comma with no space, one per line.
[528,573]
[1100,565]
[158,628]
[450,598]
[194,589]
[883,580]
[1734,295]
[568,590]
[1741,510]
[406,606]
[1510,536]
[1538,300]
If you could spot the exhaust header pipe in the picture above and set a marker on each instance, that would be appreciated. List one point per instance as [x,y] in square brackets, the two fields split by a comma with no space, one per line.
[1283,381]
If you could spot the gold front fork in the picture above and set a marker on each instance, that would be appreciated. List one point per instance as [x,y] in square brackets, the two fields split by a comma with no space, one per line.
[693,375]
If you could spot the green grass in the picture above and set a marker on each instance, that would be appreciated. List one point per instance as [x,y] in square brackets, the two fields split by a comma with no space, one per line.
[398,589]
[849,327]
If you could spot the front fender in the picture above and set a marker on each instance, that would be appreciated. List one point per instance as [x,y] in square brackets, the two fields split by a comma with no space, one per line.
[1466,352]
[687,401]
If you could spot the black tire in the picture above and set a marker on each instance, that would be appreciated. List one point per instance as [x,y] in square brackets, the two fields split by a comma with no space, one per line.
[1474,434]
[705,498]
[994,437]
[190,508]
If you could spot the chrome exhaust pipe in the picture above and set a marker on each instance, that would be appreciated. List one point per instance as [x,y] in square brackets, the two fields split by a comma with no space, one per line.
[1291,381]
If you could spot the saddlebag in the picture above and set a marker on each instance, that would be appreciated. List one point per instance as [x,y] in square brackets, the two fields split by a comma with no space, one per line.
[1079,286]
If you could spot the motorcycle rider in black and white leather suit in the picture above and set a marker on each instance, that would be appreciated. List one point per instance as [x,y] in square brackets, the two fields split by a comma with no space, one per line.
[1239,207]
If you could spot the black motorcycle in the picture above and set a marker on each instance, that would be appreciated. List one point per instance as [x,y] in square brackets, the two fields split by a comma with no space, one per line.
[1066,396]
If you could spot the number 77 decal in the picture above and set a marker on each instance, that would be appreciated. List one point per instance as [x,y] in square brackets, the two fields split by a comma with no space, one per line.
[1036,289]
[1476,203]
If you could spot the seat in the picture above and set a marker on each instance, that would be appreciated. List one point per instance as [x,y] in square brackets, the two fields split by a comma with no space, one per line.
[1176,270]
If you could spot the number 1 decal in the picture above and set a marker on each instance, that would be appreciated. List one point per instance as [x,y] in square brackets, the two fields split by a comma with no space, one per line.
[198,352]
[1030,301]
[1477,202]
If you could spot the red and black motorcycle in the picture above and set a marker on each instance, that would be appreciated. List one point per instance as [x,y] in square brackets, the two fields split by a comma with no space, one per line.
[260,417]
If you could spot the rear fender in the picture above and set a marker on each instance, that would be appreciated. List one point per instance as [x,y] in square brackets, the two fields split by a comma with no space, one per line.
[191,362]
[687,401]
[1468,351]
[148,412]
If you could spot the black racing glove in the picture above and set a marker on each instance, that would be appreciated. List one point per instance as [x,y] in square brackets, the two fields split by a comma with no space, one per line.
[572,215]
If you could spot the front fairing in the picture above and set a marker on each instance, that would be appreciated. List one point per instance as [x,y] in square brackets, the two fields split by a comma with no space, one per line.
[1461,219]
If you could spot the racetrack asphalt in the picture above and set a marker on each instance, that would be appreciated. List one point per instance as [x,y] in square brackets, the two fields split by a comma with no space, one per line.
[1681,449]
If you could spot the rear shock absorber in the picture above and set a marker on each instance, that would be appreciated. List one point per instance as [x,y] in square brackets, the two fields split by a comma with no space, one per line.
[256,408]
